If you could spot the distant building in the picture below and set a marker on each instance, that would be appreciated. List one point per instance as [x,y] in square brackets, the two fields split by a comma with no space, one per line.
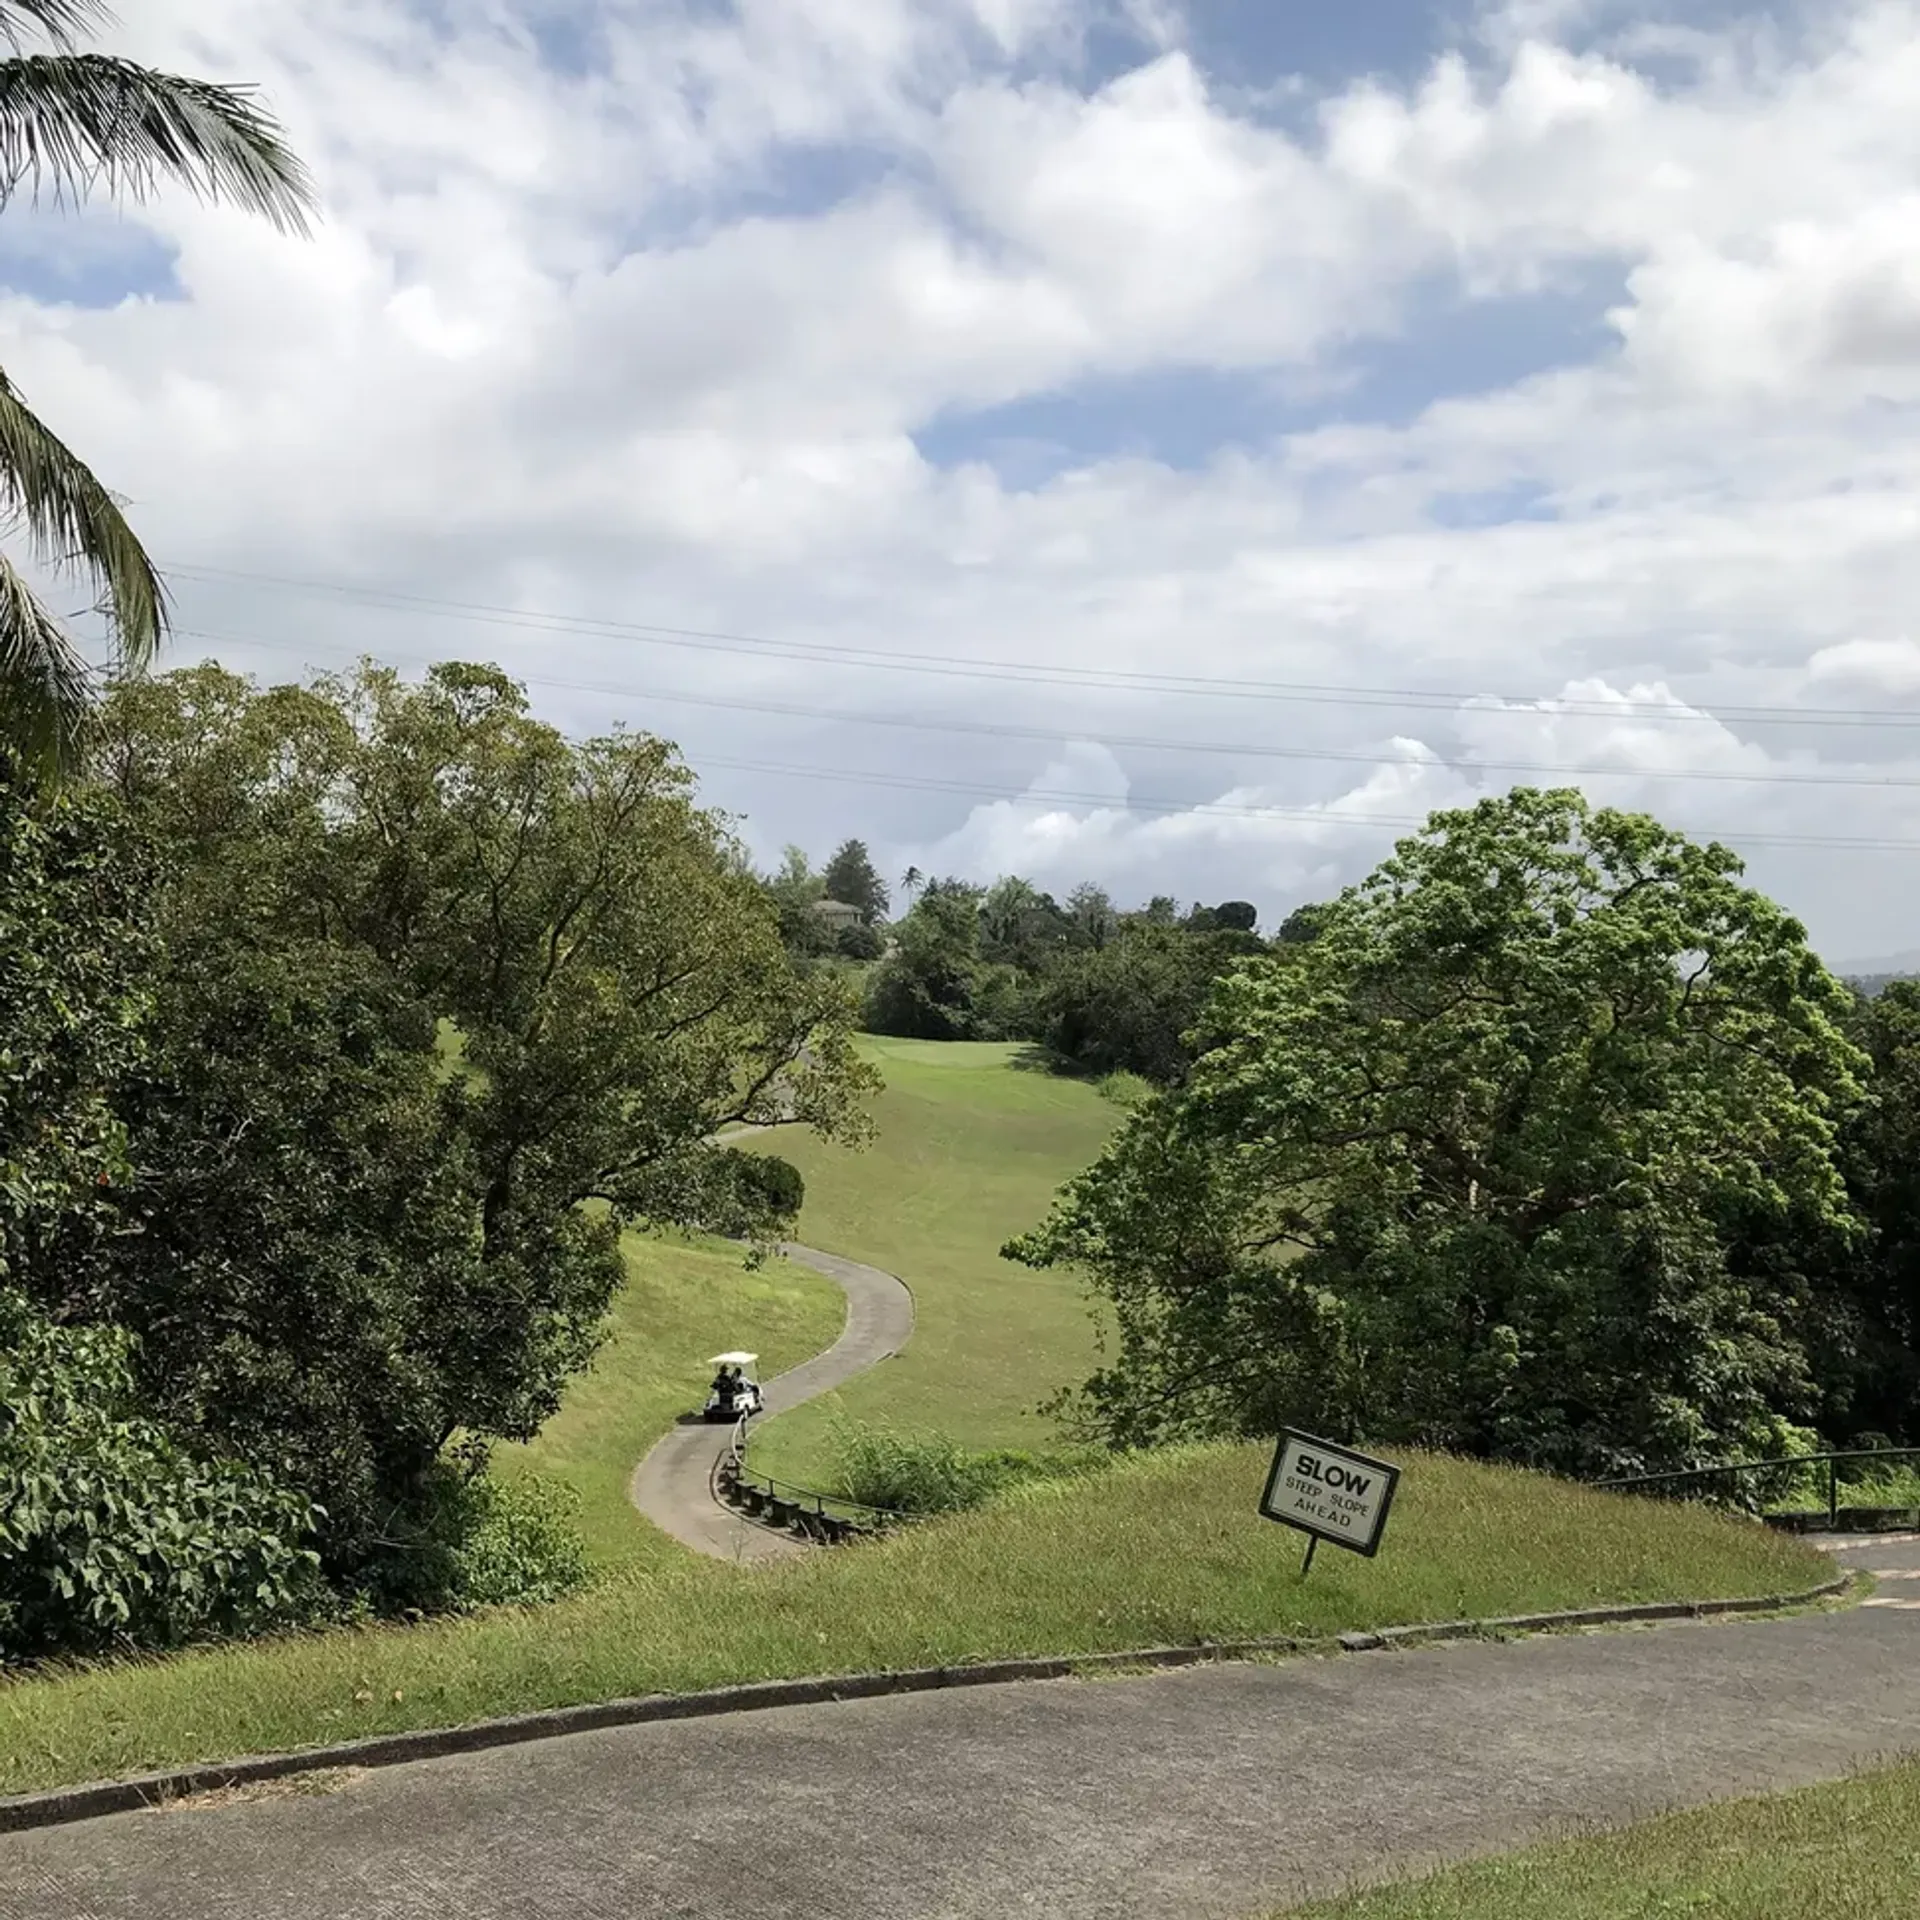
[837,914]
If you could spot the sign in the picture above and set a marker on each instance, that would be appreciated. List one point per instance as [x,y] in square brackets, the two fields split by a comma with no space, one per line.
[1329,1492]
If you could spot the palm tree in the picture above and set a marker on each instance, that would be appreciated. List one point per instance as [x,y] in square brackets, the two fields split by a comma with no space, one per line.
[910,882]
[80,122]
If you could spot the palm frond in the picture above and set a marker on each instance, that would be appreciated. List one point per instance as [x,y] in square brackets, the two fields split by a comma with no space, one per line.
[64,22]
[46,691]
[90,121]
[75,523]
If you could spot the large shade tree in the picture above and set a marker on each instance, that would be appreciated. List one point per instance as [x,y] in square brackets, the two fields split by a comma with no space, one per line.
[1475,1167]
[77,123]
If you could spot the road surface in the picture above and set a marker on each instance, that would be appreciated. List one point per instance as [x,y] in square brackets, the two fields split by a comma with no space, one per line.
[1203,1794]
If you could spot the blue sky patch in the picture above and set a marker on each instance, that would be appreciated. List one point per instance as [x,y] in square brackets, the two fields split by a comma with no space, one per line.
[1185,416]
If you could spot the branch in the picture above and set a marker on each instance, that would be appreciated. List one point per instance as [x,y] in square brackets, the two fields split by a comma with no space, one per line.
[46,694]
[87,120]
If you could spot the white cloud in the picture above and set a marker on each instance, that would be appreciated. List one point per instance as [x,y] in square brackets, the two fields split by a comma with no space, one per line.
[571,338]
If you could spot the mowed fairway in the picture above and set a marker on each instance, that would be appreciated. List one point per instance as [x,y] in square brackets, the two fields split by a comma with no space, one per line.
[971,1148]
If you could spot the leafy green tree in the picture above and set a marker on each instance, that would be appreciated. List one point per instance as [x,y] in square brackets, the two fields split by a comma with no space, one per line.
[1091,917]
[850,878]
[1461,1170]
[1020,926]
[1236,916]
[796,891]
[354,1248]
[75,122]
[1867,1337]
[926,989]
[74,947]
[1131,1006]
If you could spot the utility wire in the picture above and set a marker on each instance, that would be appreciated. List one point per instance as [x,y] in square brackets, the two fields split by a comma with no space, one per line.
[1008,730]
[1136,804]
[952,666]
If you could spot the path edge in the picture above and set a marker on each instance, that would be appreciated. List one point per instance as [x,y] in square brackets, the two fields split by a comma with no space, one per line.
[59,1806]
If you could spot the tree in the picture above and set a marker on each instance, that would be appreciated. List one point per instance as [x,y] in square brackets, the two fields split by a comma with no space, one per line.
[1461,1170]
[1236,916]
[357,1243]
[1019,925]
[77,121]
[1130,1007]
[796,892]
[910,883]
[1091,916]
[926,988]
[74,948]
[112,1531]
[851,879]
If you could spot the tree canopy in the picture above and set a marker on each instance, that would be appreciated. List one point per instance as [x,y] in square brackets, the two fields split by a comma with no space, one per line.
[441,1002]
[1462,1168]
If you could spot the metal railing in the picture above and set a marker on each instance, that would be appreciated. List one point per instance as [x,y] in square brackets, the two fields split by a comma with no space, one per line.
[807,1509]
[1789,1468]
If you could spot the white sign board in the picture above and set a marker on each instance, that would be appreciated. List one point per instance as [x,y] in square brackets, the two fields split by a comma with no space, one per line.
[1330,1492]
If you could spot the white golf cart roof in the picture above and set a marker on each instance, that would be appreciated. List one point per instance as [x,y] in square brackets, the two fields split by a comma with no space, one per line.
[733,1359]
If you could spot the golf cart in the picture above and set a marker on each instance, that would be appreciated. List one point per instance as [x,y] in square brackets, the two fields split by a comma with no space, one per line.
[733,1392]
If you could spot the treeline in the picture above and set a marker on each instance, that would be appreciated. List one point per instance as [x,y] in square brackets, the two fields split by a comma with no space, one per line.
[343,1028]
[1103,989]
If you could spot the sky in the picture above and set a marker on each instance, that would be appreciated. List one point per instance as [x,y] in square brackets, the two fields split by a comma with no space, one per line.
[1174,445]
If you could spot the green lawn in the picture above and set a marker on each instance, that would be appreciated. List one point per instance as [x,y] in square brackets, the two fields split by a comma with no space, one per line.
[1846,1851]
[1166,1548]
[685,1299]
[970,1150]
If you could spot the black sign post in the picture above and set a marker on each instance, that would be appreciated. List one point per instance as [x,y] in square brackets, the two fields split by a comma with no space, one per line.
[1329,1493]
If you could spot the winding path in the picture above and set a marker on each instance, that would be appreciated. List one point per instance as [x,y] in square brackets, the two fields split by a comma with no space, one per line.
[673,1485]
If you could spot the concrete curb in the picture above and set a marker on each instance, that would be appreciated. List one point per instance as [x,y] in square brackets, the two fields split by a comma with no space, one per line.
[60,1805]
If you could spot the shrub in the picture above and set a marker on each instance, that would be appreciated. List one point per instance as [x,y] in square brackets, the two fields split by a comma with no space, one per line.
[524,1544]
[464,1540]
[931,1472]
[1124,1090]
[112,1535]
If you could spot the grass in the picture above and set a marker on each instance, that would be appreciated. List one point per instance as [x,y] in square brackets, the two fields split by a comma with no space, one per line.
[970,1151]
[1164,1548]
[685,1298]
[1849,1850]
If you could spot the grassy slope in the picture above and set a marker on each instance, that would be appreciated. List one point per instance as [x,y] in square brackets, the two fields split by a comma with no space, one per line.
[685,1298]
[970,1150]
[1845,1851]
[1163,1549]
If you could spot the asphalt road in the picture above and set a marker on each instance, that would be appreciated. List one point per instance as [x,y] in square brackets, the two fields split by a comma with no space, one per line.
[673,1485]
[1202,1794]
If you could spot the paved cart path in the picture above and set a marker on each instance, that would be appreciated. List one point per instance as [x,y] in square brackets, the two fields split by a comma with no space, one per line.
[1203,1794]
[673,1485]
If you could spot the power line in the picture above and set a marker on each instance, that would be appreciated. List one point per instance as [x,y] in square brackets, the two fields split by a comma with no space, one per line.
[1136,804]
[1007,730]
[953,666]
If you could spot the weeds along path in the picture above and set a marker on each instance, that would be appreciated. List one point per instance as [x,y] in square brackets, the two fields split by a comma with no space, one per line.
[673,1485]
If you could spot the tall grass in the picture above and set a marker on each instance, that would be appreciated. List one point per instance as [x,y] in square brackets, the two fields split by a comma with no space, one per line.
[923,1473]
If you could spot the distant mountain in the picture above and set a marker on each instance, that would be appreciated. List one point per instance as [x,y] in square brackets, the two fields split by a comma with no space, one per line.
[1874,974]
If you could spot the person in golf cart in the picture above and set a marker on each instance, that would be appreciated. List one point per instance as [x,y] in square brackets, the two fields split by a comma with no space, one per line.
[733,1392]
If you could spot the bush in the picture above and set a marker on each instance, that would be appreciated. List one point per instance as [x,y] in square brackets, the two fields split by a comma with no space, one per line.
[464,1540]
[523,1545]
[112,1535]
[860,942]
[1124,1090]
[931,1472]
